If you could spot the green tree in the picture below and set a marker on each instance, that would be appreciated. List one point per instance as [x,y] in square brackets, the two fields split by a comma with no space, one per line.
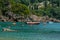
[3,6]
[20,9]
[26,2]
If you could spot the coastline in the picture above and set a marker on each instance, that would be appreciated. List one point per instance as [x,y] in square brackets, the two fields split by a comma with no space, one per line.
[32,18]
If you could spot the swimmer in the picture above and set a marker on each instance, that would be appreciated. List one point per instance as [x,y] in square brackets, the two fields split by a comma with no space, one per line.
[7,29]
[14,23]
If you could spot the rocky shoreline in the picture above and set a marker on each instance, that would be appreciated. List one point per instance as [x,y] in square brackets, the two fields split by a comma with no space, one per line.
[30,18]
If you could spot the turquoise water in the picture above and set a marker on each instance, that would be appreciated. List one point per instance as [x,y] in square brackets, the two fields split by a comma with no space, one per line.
[30,32]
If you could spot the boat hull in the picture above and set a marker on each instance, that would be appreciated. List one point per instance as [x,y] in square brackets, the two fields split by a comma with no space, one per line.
[32,23]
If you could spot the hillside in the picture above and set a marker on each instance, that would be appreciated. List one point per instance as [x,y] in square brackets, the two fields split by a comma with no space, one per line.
[13,9]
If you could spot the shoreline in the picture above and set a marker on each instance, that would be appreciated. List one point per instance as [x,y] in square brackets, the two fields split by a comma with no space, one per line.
[32,18]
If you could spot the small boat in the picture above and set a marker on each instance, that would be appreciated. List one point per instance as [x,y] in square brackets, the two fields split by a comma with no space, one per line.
[32,23]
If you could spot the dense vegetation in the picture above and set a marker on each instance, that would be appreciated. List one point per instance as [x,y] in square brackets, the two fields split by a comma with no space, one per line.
[27,7]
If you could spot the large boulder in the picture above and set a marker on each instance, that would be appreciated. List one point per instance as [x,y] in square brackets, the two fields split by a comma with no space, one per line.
[35,18]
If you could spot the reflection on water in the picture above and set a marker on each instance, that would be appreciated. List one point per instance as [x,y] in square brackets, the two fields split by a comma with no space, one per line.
[30,32]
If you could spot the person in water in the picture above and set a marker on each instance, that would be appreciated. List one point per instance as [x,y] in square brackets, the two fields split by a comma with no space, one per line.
[14,23]
[8,29]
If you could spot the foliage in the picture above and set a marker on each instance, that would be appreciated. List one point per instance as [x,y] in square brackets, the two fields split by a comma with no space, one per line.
[3,4]
[21,7]
[18,8]
[26,2]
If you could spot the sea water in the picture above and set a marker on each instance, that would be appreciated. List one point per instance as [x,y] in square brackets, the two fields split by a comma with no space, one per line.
[30,32]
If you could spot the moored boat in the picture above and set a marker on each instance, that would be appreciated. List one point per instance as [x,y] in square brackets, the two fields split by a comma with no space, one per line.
[32,23]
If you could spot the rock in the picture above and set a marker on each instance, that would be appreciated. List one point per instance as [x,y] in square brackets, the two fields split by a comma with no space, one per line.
[35,18]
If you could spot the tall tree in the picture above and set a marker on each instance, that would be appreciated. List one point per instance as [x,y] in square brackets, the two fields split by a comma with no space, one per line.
[20,9]
[4,6]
